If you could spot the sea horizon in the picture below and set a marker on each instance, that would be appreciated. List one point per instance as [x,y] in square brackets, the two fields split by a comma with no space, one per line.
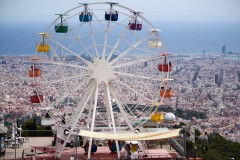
[178,37]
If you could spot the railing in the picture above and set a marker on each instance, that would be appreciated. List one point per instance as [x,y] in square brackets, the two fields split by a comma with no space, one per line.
[177,146]
[33,133]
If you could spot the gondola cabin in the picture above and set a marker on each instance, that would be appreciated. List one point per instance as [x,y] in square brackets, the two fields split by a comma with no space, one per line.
[157,117]
[34,72]
[111,16]
[61,28]
[154,41]
[43,47]
[85,17]
[36,98]
[168,93]
[134,24]
[165,67]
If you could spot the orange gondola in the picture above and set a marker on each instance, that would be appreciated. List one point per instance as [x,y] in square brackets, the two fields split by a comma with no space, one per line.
[34,71]
[168,93]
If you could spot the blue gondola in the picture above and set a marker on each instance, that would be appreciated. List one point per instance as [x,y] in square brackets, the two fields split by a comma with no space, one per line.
[113,16]
[85,17]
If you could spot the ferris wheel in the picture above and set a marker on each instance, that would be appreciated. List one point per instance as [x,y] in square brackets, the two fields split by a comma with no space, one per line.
[99,67]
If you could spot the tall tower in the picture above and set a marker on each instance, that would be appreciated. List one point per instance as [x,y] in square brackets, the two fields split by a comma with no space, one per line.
[224,49]
[216,78]
[204,53]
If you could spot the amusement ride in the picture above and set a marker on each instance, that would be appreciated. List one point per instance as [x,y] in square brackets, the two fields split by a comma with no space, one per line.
[100,70]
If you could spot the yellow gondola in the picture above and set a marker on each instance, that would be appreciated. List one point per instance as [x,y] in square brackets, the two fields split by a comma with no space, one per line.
[157,117]
[43,46]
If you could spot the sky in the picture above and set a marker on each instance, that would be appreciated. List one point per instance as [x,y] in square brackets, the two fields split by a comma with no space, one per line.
[154,10]
[187,25]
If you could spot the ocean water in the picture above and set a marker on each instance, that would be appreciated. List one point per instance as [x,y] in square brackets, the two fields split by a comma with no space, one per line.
[178,37]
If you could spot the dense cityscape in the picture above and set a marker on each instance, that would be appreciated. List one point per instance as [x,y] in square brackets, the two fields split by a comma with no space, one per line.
[207,84]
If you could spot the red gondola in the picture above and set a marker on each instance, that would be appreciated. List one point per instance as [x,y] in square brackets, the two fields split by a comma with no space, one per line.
[134,24]
[165,66]
[36,98]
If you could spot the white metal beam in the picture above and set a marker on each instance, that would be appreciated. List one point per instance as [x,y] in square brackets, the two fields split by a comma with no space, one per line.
[124,114]
[112,117]
[70,51]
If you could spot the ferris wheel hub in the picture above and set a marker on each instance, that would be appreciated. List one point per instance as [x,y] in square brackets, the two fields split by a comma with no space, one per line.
[102,71]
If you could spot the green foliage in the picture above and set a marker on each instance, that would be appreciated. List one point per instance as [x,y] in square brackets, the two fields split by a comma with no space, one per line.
[197,133]
[218,148]
[32,125]
[188,114]
[29,125]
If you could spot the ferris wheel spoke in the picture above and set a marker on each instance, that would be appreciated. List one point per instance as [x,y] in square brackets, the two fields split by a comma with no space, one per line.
[106,35]
[117,44]
[55,54]
[80,41]
[136,76]
[149,51]
[94,41]
[129,50]
[105,40]
[130,88]
[69,92]
[83,101]
[137,61]
[85,61]
[130,125]
[62,80]
[64,64]
[121,108]
[90,24]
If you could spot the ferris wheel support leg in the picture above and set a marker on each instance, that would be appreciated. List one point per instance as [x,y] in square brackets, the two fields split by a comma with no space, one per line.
[89,115]
[107,108]
[125,116]
[80,108]
[112,117]
[93,120]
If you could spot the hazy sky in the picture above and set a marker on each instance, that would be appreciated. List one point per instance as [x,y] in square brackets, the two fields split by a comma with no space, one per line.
[154,10]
